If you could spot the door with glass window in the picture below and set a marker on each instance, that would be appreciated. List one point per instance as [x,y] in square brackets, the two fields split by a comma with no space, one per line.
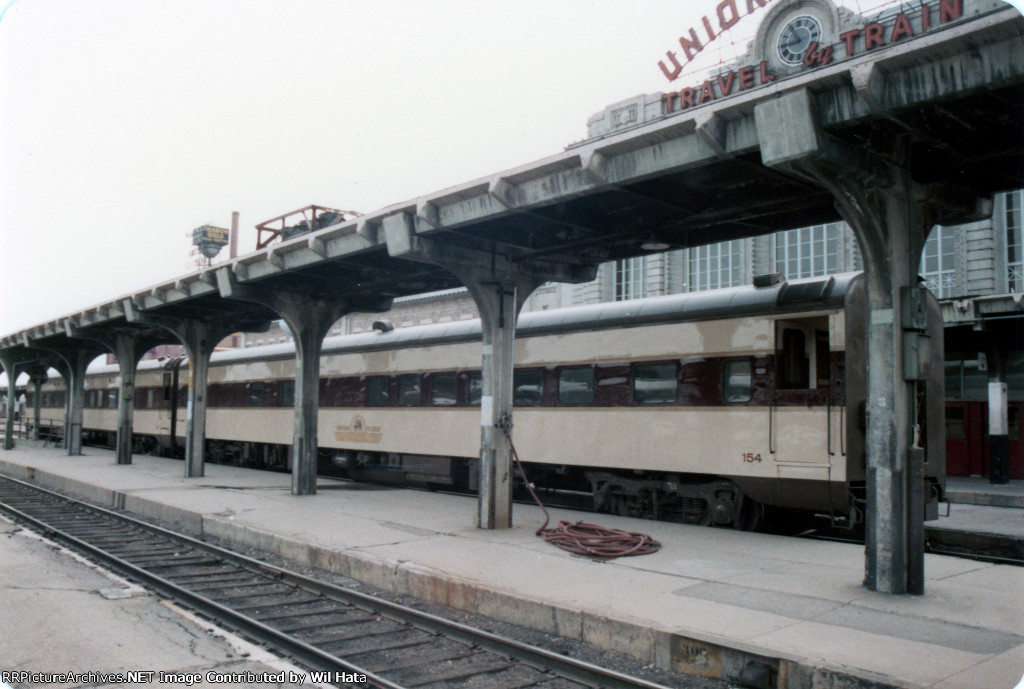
[803,436]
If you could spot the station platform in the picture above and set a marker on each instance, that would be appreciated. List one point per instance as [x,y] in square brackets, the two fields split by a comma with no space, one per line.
[710,602]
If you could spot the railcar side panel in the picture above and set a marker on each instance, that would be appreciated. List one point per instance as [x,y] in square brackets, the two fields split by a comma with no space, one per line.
[726,337]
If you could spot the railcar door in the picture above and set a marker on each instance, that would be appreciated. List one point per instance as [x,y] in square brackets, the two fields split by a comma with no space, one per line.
[804,420]
[162,403]
[964,439]
[167,403]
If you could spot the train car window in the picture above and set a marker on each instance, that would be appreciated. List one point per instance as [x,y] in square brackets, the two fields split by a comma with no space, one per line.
[654,383]
[112,399]
[167,386]
[476,388]
[736,381]
[377,391]
[255,394]
[527,388]
[576,386]
[409,386]
[794,366]
[443,390]
[287,393]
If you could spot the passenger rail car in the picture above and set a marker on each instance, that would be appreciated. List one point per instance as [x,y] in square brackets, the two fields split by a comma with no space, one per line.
[703,408]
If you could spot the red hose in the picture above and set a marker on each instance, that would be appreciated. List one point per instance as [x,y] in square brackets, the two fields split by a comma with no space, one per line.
[585,539]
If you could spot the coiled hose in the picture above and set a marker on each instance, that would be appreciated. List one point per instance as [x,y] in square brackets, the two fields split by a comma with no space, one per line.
[581,538]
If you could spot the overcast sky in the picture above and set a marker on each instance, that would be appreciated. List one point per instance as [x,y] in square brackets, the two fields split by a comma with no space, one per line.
[126,123]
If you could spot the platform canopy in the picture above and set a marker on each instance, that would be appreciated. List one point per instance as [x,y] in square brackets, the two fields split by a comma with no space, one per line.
[949,101]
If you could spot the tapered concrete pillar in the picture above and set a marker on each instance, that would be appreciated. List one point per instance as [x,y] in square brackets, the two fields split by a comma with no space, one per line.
[10,368]
[76,362]
[309,318]
[891,216]
[199,345]
[500,286]
[499,303]
[128,348]
[37,376]
[199,338]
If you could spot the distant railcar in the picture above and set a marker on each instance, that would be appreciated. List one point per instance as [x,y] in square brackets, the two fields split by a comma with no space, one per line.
[704,408]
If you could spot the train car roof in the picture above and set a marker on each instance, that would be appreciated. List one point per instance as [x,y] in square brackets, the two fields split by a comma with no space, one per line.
[810,294]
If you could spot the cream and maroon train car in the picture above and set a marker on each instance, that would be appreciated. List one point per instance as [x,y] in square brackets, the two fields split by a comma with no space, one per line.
[703,407]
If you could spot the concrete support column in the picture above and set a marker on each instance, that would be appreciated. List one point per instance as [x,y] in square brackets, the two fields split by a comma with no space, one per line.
[199,350]
[76,363]
[500,286]
[37,376]
[10,368]
[62,367]
[309,318]
[891,216]
[891,245]
[126,349]
[199,339]
[499,303]
[309,322]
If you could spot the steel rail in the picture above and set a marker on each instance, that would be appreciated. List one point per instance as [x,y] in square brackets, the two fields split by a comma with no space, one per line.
[301,651]
[547,661]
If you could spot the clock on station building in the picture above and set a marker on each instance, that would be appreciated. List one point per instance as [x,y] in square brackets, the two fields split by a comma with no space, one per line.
[796,37]
[793,26]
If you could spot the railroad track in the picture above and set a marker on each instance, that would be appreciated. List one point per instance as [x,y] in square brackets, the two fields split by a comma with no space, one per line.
[324,627]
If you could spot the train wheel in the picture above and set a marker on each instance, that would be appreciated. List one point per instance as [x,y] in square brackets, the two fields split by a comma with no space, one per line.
[628,506]
[751,515]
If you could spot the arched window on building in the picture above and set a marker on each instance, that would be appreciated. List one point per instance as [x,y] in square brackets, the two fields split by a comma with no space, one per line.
[938,262]
[809,251]
[1014,202]
[716,265]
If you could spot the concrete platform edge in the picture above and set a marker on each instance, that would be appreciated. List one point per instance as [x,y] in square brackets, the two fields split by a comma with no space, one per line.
[699,655]
[963,497]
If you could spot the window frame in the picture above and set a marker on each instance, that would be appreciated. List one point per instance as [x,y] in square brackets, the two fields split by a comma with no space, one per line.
[727,364]
[517,381]
[371,383]
[675,380]
[592,386]
[451,380]
[403,391]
